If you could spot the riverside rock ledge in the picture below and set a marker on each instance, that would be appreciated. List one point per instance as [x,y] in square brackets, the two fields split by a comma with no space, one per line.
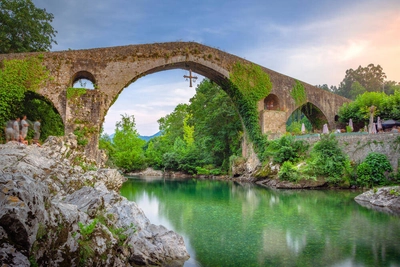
[385,199]
[54,213]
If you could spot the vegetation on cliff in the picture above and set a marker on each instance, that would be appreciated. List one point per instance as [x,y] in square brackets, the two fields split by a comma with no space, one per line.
[20,79]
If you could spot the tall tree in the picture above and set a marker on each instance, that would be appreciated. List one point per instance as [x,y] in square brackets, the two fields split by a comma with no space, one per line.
[24,27]
[203,134]
[217,124]
[128,154]
[371,78]
[172,124]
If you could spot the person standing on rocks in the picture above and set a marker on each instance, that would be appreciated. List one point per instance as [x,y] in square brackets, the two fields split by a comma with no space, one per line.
[9,131]
[24,125]
[36,128]
[16,129]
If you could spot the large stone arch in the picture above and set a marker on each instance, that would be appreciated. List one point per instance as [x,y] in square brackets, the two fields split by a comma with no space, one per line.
[211,71]
[114,68]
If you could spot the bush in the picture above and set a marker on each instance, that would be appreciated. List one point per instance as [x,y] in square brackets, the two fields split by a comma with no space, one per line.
[328,160]
[287,148]
[288,172]
[374,170]
[364,173]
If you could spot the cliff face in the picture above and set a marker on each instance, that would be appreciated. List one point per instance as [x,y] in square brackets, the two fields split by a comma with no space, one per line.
[54,213]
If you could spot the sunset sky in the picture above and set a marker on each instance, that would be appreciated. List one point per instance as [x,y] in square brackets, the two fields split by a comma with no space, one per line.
[315,41]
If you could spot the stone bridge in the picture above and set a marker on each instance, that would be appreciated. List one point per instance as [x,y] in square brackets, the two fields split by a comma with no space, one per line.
[114,68]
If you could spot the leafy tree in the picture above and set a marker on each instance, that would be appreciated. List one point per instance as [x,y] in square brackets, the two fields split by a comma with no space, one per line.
[387,107]
[371,78]
[24,27]
[154,151]
[356,89]
[172,125]
[218,128]
[106,144]
[390,87]
[200,136]
[129,154]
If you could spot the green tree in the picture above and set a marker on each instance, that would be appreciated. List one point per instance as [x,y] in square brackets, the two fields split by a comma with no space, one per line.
[391,87]
[24,27]
[201,135]
[172,125]
[129,154]
[106,144]
[356,89]
[387,107]
[154,151]
[218,128]
[371,78]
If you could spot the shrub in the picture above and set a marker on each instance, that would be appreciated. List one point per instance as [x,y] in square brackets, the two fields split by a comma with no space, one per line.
[288,172]
[373,170]
[328,160]
[286,148]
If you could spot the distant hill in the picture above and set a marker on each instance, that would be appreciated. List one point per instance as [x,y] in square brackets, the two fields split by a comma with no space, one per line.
[145,138]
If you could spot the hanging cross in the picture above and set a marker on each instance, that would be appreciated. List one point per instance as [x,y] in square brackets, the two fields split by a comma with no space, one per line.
[190,77]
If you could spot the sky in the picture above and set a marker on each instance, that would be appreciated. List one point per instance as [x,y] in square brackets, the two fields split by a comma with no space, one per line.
[314,41]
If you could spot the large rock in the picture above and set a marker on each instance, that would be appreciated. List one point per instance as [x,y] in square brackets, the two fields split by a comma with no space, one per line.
[53,213]
[386,199]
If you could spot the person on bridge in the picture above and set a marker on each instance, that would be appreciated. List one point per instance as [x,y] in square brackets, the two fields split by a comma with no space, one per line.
[24,125]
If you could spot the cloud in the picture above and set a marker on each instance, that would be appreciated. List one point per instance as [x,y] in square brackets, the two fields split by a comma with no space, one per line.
[320,52]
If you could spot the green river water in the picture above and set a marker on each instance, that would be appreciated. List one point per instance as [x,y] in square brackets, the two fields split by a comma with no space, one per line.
[229,224]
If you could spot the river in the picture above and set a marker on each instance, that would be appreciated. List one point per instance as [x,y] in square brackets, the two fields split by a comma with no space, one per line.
[229,224]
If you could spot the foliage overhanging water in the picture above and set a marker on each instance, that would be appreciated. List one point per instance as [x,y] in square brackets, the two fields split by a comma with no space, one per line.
[228,224]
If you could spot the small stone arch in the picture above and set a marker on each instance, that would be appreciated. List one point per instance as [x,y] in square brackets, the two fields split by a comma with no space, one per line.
[271,102]
[83,75]
[314,114]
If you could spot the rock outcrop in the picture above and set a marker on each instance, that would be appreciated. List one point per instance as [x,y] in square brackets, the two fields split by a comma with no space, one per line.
[58,210]
[385,199]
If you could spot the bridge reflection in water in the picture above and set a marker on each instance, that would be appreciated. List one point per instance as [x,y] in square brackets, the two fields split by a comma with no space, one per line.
[227,224]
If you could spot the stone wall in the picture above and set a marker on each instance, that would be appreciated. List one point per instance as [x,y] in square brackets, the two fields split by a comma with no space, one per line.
[358,145]
[273,122]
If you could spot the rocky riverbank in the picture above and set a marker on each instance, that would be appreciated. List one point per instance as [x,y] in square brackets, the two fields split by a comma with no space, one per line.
[58,210]
[384,199]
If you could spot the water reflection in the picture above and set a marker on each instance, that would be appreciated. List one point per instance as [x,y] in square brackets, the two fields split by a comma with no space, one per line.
[228,224]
